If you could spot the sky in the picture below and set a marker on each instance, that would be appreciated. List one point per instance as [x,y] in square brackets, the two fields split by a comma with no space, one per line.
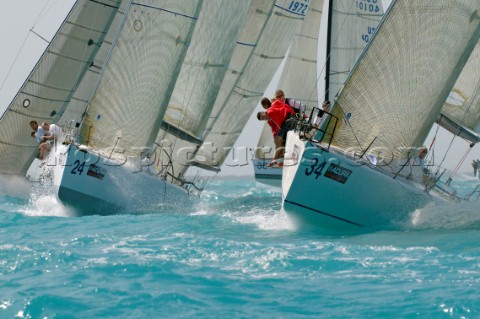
[23,33]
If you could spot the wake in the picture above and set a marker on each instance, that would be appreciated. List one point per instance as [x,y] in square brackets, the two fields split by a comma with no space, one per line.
[465,215]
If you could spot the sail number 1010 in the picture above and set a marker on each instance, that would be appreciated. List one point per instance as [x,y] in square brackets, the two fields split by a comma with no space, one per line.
[368,6]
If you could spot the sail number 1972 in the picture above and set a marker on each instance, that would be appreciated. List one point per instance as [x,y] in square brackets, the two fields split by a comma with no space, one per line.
[298,7]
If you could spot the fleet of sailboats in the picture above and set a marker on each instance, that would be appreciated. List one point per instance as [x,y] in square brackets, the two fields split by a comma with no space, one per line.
[143,89]
[147,92]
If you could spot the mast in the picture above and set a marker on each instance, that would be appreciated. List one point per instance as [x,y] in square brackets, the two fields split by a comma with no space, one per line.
[329,42]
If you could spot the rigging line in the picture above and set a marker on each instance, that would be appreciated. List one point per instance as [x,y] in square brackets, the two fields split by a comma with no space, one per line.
[434,138]
[14,63]
[446,153]
[330,53]
[38,35]
[43,12]
[23,44]
[116,34]
[82,66]
[349,125]
[469,107]
[455,171]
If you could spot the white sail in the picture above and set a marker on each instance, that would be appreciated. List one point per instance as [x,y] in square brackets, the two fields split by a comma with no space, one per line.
[71,58]
[264,39]
[299,77]
[352,25]
[205,64]
[463,104]
[396,91]
[129,104]
[200,79]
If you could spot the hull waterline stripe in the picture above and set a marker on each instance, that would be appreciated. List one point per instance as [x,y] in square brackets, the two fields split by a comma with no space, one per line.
[326,214]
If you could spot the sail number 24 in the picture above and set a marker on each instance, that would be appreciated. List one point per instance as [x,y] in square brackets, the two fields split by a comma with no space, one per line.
[78,167]
[368,6]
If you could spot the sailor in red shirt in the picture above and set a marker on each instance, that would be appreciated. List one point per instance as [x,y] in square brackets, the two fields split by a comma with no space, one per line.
[276,115]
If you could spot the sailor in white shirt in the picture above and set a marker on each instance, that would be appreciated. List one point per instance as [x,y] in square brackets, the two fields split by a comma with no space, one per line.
[53,134]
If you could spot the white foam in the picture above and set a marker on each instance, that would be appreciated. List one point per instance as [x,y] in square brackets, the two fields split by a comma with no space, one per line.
[46,205]
[447,216]
[15,186]
[265,220]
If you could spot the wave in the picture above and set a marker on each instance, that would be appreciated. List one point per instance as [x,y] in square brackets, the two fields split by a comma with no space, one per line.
[15,186]
[464,215]
[45,205]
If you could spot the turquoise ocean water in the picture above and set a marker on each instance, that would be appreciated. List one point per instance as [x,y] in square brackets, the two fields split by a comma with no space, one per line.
[235,255]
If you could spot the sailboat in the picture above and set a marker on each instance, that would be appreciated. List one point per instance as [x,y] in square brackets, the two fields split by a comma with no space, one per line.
[260,49]
[362,170]
[133,84]
[350,25]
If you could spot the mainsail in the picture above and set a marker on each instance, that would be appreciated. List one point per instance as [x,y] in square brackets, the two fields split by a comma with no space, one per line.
[389,107]
[200,78]
[264,39]
[351,26]
[73,57]
[299,77]
[128,107]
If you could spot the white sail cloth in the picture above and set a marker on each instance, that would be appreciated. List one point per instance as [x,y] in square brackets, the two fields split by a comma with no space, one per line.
[64,76]
[263,42]
[299,77]
[128,107]
[395,93]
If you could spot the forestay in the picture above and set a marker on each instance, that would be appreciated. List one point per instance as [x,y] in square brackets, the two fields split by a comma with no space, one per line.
[200,78]
[72,56]
[128,107]
[299,77]
[397,89]
[263,42]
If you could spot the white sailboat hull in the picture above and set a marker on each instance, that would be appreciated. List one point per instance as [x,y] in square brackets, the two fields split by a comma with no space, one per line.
[271,176]
[91,184]
[335,194]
